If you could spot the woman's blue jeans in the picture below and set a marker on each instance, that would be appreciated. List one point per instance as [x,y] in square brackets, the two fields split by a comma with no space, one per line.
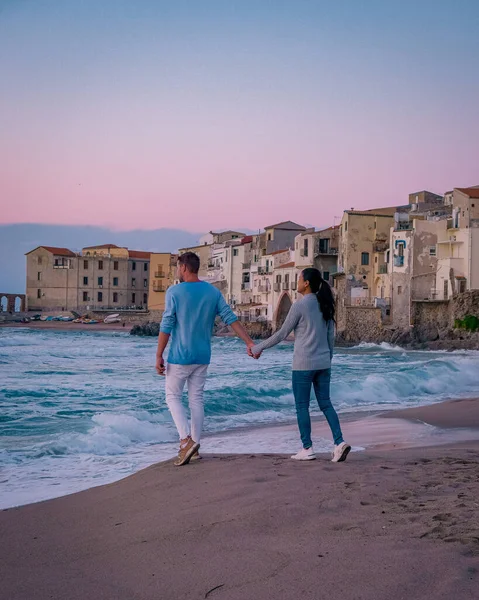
[320,380]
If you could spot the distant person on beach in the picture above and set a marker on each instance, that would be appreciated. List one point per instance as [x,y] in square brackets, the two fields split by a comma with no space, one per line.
[190,313]
[312,320]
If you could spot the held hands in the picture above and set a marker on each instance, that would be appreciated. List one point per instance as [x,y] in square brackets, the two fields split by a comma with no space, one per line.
[160,365]
[249,350]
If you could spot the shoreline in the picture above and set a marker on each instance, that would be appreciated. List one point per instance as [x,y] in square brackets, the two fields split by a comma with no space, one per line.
[68,326]
[258,526]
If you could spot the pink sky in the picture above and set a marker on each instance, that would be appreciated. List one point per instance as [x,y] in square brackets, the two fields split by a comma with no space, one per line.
[226,121]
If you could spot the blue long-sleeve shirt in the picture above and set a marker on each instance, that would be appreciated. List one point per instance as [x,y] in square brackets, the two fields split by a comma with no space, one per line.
[190,312]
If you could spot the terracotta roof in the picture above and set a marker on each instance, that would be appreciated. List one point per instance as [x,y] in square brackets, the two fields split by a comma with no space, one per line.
[332,228]
[55,250]
[283,223]
[286,265]
[139,254]
[279,251]
[247,239]
[472,192]
[101,246]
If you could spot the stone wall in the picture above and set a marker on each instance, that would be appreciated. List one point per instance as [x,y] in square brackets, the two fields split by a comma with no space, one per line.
[465,304]
[360,324]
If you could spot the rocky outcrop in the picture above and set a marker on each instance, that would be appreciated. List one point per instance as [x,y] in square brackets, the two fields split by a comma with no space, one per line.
[255,330]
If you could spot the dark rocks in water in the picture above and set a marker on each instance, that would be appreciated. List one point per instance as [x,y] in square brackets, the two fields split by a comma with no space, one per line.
[147,329]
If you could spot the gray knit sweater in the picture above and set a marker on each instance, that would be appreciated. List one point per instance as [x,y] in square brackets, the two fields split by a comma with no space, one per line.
[313,336]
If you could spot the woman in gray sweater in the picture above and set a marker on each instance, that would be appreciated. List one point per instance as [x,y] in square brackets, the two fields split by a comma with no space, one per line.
[312,320]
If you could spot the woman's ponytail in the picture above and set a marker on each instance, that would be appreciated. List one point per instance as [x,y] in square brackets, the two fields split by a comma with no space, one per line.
[323,292]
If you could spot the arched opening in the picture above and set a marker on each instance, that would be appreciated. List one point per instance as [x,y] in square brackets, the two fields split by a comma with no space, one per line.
[283,310]
[4,303]
[18,304]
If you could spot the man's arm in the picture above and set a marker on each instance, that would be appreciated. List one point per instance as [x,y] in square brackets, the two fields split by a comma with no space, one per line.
[168,323]
[229,318]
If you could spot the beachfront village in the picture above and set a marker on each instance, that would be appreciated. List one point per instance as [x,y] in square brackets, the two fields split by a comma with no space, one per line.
[413,267]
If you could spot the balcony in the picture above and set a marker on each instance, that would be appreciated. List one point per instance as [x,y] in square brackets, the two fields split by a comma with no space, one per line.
[160,274]
[246,266]
[294,286]
[263,271]
[277,287]
[383,269]
[324,249]
[159,287]
[246,287]
[286,286]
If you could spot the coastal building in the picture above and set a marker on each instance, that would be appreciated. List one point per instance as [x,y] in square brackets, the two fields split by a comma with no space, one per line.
[52,278]
[207,249]
[162,269]
[281,235]
[363,236]
[99,277]
[318,249]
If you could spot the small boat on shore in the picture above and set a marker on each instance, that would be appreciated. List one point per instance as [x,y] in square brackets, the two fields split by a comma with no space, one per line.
[112,319]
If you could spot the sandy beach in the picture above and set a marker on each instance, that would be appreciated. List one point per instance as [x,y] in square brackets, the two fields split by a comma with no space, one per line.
[386,524]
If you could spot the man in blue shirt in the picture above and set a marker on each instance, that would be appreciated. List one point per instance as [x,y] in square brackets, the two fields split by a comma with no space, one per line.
[190,312]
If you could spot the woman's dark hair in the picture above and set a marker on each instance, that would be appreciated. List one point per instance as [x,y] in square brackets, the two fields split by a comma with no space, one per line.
[323,292]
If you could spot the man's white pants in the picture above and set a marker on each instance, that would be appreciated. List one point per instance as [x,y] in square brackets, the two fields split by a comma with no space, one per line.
[195,377]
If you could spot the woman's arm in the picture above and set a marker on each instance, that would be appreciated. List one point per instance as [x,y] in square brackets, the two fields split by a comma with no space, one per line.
[290,323]
[331,337]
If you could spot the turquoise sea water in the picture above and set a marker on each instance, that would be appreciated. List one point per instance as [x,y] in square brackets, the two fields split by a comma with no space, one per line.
[78,409]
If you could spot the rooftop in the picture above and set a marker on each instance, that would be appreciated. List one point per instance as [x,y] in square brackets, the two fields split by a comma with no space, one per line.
[103,246]
[288,265]
[55,250]
[139,254]
[472,192]
[287,225]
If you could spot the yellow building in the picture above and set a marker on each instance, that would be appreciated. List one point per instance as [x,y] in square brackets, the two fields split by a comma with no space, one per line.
[162,276]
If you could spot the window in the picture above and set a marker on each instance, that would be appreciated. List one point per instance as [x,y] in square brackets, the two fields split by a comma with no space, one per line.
[326,275]
[85,296]
[401,249]
[375,225]
[346,226]
[235,252]
[85,281]
[100,280]
[145,267]
[115,296]
[399,289]
[375,259]
[306,247]
[133,298]
[432,251]
[39,293]
[115,281]
[145,282]
[39,260]
[145,299]
[115,265]
[100,296]
[269,237]
[39,276]
[133,266]
[85,264]
[100,265]
[133,282]
[365,258]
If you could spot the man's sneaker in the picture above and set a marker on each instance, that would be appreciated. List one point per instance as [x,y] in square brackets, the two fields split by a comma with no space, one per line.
[196,456]
[186,452]
[340,452]
[305,454]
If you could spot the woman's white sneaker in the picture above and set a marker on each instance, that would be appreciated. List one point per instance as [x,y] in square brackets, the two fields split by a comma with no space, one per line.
[340,452]
[305,454]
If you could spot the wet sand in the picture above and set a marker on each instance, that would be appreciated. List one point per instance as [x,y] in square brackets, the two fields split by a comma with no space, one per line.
[387,523]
